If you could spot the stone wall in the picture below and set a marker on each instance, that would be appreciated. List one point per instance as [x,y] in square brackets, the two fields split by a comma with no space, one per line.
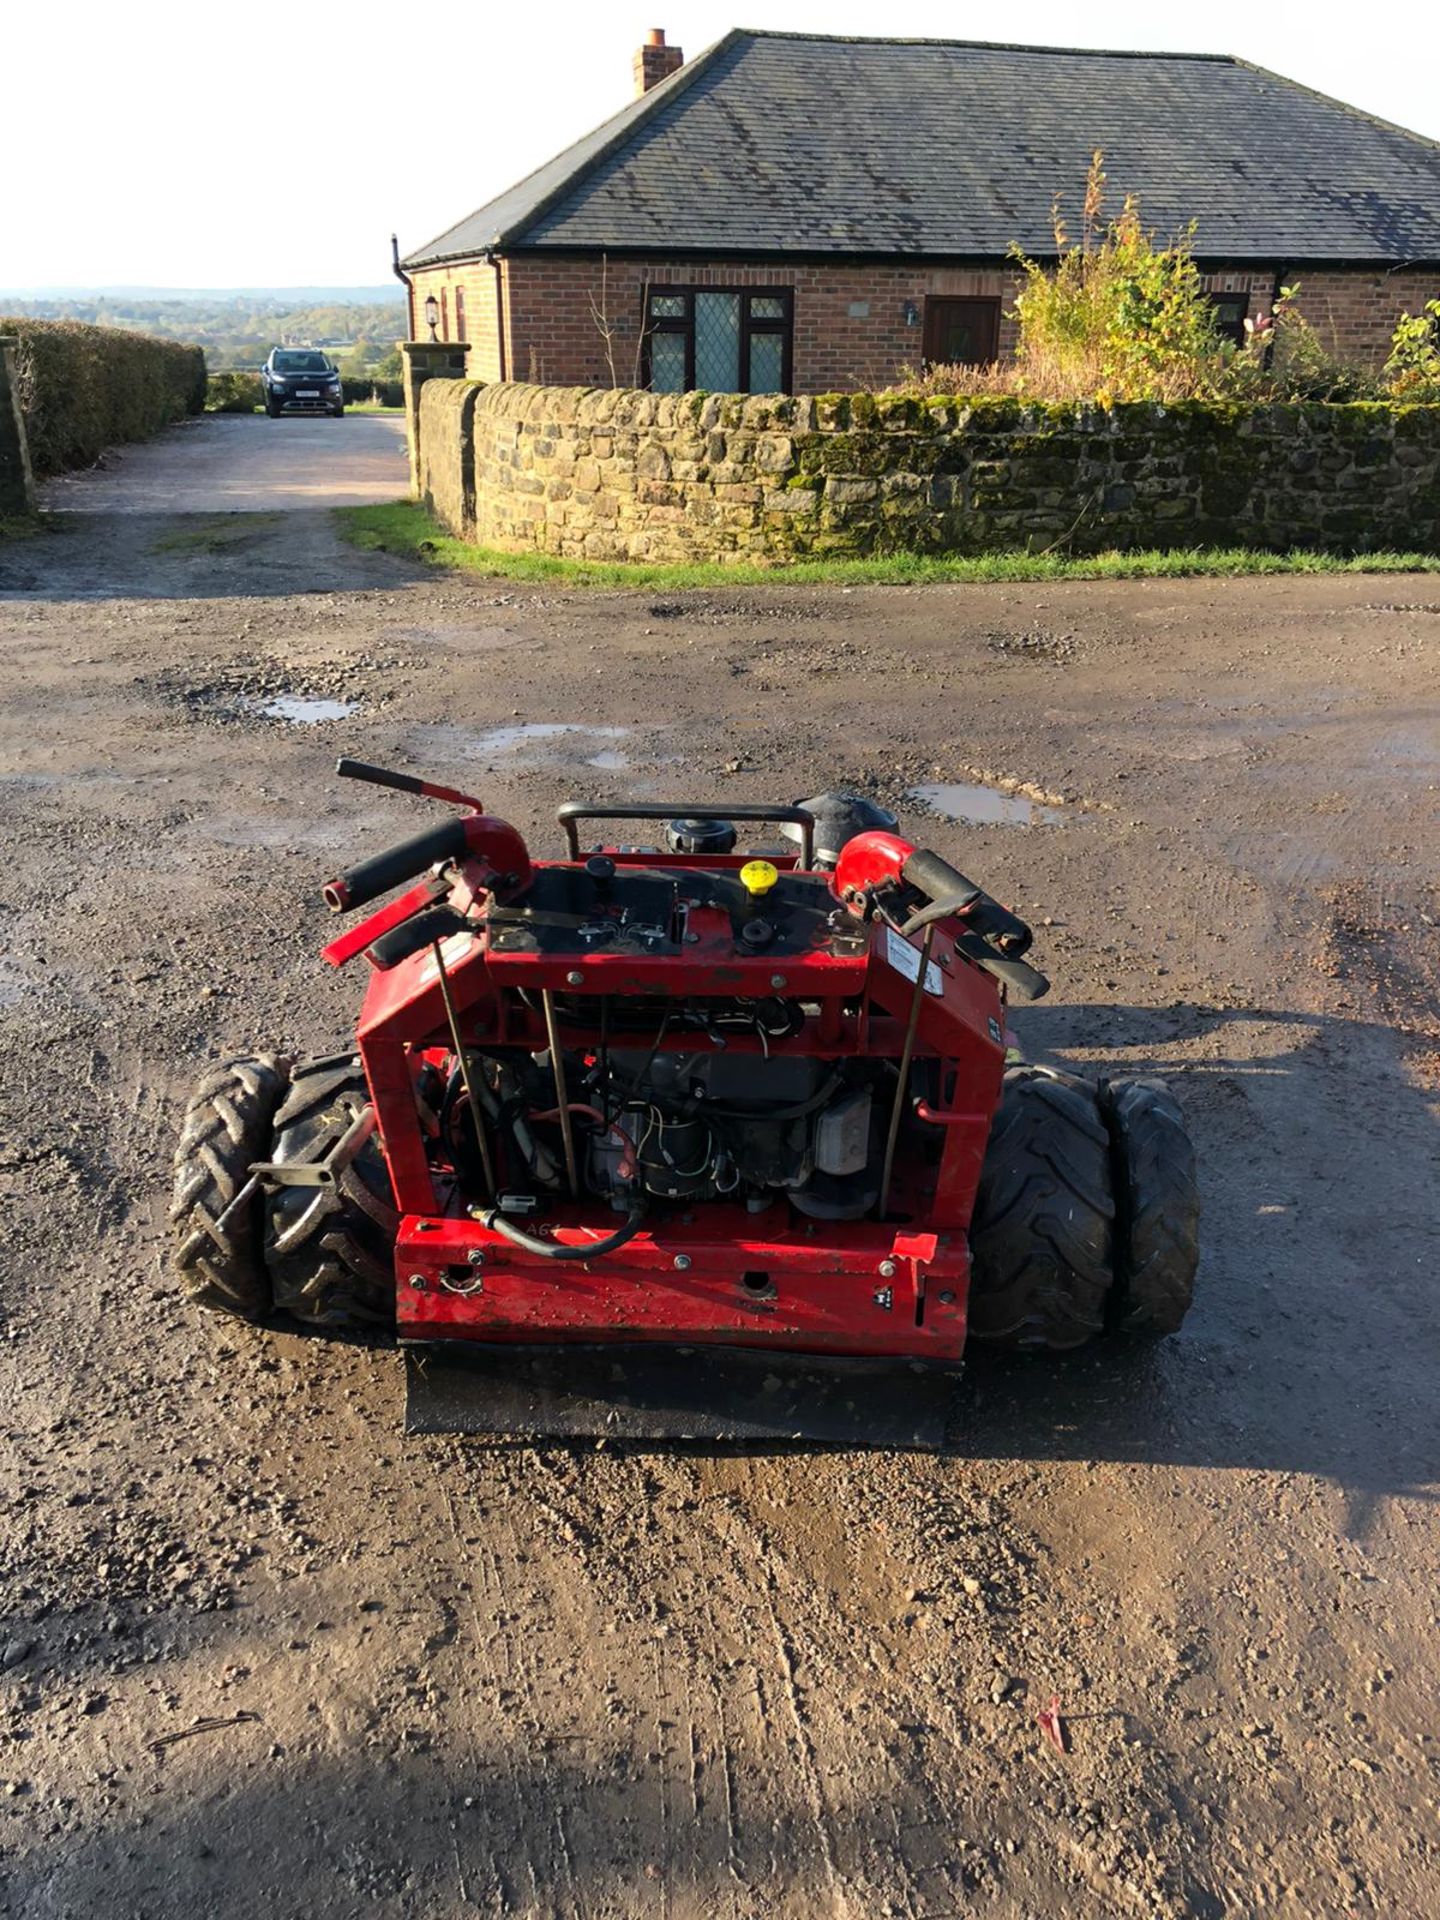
[621,475]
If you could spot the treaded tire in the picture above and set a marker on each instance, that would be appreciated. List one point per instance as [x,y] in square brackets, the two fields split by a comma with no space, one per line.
[1042,1236]
[331,1250]
[226,1127]
[1157,1239]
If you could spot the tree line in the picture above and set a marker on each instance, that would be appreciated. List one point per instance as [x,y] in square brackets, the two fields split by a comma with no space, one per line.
[237,331]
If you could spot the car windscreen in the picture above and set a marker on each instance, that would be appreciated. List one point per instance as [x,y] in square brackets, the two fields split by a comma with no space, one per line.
[301,363]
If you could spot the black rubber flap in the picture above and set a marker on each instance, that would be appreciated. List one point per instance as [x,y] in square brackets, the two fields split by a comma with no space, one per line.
[675,1393]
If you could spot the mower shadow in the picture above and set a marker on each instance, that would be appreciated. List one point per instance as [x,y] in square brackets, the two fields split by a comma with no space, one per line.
[1310,1346]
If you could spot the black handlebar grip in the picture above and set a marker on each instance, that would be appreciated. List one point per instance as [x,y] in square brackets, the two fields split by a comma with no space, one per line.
[1022,980]
[950,892]
[938,880]
[1006,929]
[379,776]
[386,870]
[423,930]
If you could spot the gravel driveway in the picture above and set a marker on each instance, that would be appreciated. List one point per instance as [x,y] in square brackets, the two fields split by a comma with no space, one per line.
[261,1654]
[246,463]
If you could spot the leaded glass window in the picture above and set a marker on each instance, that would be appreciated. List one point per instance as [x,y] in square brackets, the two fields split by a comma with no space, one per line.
[718,339]
[667,362]
[767,363]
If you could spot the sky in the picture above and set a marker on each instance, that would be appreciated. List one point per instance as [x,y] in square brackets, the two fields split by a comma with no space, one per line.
[181,145]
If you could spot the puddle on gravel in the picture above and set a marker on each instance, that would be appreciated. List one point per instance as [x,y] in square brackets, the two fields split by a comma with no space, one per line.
[301,711]
[522,748]
[979,806]
[564,739]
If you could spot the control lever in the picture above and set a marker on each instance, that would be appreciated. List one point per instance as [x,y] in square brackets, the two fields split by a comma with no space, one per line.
[404,783]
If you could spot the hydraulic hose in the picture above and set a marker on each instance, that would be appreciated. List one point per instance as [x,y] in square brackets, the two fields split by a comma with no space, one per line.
[552,1249]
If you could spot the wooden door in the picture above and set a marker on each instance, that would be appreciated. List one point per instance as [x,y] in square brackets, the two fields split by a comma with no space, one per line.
[962,332]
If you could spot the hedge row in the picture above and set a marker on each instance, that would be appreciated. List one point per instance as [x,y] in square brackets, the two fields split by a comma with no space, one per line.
[233,392]
[374,393]
[83,389]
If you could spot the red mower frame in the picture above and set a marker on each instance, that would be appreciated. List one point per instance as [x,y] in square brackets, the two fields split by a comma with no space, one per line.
[715,1273]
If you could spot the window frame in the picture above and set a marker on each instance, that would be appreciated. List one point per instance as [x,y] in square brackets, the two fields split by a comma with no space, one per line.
[444,313]
[1231,330]
[783,324]
[460,313]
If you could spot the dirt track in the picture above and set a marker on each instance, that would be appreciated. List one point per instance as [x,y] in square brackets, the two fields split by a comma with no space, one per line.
[424,1678]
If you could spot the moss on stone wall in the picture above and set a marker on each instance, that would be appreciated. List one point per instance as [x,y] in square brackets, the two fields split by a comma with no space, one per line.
[618,475]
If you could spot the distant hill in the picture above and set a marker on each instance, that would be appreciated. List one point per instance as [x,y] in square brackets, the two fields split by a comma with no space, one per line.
[237,326]
[290,296]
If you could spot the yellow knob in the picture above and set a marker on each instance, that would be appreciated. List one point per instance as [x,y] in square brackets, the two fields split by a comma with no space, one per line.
[758,877]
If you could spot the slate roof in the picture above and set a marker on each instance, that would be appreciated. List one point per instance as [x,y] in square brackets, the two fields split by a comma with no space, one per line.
[801,143]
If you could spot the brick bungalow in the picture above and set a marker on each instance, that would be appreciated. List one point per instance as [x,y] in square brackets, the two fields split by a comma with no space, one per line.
[799,212]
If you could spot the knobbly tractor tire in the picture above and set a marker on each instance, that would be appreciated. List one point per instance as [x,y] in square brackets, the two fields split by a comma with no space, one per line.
[1042,1240]
[216,1253]
[1157,1207]
[331,1250]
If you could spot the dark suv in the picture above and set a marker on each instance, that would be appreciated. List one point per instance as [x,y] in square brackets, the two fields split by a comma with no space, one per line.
[299,380]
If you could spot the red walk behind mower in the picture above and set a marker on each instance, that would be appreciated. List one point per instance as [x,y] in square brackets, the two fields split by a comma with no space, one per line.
[684,1141]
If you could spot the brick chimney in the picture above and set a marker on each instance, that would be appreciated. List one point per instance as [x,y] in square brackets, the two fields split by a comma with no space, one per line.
[655,61]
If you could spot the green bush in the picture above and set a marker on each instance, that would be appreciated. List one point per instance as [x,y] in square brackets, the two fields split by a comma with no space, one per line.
[368,392]
[1285,358]
[1413,369]
[234,393]
[83,389]
[1118,316]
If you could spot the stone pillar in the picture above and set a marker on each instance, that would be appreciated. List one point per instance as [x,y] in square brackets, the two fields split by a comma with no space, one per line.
[424,360]
[17,482]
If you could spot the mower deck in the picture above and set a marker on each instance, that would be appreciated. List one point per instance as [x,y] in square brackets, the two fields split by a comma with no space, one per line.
[654,1393]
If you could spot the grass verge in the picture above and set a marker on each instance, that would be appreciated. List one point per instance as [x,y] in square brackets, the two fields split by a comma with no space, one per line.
[215,533]
[406,528]
[24,526]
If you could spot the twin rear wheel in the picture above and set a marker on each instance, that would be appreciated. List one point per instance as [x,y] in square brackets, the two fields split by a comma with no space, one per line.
[323,1254]
[1087,1217]
[1086,1220]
